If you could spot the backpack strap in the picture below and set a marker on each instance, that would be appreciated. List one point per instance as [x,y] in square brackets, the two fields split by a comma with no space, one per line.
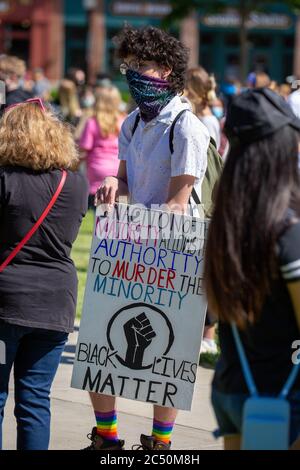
[136,123]
[171,145]
[171,135]
[213,143]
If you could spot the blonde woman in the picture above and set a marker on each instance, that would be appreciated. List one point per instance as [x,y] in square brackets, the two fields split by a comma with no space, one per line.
[38,286]
[69,102]
[99,139]
[200,90]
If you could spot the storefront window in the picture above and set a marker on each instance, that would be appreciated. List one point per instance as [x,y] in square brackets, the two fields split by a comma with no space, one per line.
[289,41]
[76,47]
[206,51]
[16,40]
[207,39]
[260,40]
[232,40]
[112,62]
[288,60]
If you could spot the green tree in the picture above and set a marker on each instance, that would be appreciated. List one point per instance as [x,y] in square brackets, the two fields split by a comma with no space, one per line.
[182,8]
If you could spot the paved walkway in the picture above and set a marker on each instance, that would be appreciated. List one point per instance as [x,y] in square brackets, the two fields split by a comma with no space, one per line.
[72,415]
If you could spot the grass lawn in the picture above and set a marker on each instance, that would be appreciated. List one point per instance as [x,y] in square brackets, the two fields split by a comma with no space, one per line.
[81,254]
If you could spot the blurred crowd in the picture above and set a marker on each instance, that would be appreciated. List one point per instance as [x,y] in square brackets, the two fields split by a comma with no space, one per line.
[96,111]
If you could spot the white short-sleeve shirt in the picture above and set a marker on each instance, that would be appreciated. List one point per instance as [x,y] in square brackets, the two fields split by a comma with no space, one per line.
[294,102]
[149,162]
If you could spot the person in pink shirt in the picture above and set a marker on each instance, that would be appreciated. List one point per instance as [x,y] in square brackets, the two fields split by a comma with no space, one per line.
[99,139]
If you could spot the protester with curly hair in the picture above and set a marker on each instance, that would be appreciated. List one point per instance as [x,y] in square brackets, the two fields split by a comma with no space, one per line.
[155,65]
[38,280]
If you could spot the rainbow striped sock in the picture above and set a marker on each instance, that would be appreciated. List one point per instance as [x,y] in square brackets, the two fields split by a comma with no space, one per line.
[162,430]
[107,425]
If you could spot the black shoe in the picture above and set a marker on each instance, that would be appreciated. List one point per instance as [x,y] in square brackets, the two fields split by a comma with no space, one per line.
[150,443]
[99,443]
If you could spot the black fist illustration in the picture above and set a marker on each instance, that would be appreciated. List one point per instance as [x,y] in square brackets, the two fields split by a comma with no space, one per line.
[139,334]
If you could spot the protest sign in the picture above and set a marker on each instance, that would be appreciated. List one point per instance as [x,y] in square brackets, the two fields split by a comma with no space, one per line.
[144,307]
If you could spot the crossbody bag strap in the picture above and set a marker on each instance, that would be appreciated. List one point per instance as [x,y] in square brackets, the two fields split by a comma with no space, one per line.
[244,361]
[290,381]
[247,372]
[37,224]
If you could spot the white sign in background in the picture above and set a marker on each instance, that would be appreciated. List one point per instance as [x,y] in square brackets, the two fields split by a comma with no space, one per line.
[144,307]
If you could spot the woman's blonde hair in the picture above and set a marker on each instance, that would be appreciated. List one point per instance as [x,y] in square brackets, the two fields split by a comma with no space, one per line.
[33,138]
[68,99]
[107,110]
[200,88]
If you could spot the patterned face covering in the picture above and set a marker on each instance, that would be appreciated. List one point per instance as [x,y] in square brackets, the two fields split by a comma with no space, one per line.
[150,94]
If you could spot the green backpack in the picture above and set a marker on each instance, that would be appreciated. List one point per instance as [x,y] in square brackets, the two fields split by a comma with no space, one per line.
[213,171]
[212,175]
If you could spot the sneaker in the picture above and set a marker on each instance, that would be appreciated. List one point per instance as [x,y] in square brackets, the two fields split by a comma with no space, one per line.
[150,443]
[99,443]
[208,346]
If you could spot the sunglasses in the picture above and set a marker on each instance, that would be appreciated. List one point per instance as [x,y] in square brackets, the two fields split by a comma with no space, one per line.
[133,65]
[38,101]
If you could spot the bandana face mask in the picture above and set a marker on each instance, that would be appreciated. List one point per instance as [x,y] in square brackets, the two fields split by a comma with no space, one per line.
[150,94]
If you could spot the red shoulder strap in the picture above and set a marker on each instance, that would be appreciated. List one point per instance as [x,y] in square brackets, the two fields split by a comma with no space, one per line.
[37,224]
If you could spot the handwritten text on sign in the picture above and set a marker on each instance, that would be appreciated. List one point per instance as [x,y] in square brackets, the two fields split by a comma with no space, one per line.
[144,307]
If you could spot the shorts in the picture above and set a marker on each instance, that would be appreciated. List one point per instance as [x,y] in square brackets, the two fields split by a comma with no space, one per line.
[228,409]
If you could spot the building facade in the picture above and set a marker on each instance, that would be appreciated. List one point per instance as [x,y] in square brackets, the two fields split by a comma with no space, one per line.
[34,31]
[270,45]
[213,38]
[58,34]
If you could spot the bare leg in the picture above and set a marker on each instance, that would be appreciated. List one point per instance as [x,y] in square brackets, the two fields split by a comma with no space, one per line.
[162,414]
[209,332]
[232,442]
[103,403]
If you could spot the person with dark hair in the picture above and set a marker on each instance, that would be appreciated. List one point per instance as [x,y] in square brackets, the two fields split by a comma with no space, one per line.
[103,80]
[151,174]
[252,265]
[78,77]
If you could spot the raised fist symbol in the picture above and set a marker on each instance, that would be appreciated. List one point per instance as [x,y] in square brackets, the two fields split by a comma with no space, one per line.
[139,334]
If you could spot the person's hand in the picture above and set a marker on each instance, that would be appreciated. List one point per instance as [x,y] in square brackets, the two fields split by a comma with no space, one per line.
[107,192]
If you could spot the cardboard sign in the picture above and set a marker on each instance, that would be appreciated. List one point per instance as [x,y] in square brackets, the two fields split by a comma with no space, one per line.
[144,307]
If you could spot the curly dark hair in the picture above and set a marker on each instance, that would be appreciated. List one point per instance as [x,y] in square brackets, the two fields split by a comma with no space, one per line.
[151,43]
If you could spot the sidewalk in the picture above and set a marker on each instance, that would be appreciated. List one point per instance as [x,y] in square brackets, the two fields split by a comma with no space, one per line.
[72,415]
